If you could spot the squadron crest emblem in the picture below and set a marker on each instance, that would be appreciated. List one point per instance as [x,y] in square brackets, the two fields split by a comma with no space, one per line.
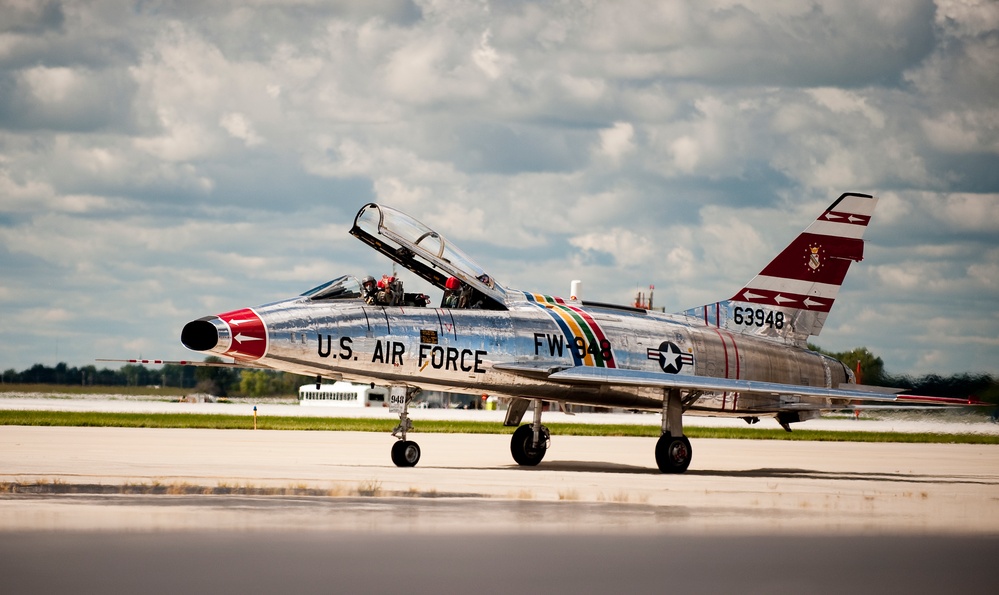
[814,257]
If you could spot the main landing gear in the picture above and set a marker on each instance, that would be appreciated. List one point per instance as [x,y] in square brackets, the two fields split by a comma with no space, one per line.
[530,441]
[673,452]
[405,453]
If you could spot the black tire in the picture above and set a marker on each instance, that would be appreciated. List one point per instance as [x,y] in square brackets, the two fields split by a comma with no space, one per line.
[405,453]
[521,449]
[673,453]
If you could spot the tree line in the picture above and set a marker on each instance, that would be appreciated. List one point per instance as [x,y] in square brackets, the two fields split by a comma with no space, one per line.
[261,383]
[958,386]
[220,382]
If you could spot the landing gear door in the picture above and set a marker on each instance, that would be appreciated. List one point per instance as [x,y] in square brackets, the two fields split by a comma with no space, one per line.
[397,399]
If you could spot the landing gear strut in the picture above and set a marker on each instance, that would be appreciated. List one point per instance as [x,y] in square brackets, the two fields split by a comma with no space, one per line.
[405,453]
[673,450]
[530,441]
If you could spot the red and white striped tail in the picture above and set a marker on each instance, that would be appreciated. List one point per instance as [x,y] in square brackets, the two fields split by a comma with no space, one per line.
[792,296]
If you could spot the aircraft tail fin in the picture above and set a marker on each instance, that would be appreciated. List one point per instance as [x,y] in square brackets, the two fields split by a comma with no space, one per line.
[791,297]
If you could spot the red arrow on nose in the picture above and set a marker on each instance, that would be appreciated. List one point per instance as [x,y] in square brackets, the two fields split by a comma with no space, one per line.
[250,342]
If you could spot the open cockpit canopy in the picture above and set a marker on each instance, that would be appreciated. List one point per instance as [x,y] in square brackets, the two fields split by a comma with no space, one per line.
[423,251]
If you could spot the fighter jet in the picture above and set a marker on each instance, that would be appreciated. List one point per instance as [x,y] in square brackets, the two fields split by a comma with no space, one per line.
[744,356]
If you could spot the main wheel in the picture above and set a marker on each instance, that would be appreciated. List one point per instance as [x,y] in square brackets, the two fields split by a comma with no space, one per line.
[405,453]
[673,453]
[522,450]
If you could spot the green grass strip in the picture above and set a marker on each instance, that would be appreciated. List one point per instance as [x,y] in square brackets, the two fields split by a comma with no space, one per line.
[337,424]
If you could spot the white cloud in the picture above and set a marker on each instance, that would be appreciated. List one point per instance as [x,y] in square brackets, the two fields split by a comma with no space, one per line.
[172,162]
[51,85]
[617,141]
[952,132]
[970,212]
[627,247]
[487,58]
[239,127]
[842,101]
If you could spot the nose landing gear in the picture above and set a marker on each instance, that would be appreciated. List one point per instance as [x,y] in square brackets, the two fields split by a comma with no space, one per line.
[405,453]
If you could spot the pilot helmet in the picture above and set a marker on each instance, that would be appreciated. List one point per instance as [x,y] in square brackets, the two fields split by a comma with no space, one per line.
[452,283]
[368,280]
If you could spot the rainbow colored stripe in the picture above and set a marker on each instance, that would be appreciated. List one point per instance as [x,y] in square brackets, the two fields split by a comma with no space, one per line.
[575,322]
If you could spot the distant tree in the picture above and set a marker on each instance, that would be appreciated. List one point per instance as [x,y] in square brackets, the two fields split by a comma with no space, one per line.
[959,386]
[136,375]
[106,377]
[87,375]
[872,367]
[219,379]
[39,374]
[253,383]
[266,383]
[177,375]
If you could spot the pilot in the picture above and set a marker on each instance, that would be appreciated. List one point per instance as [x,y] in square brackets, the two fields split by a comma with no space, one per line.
[390,292]
[452,291]
[369,291]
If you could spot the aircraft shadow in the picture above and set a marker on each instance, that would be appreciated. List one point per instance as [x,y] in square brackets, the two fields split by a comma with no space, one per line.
[762,473]
[590,467]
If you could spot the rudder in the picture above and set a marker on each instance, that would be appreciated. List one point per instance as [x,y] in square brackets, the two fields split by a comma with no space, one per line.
[792,296]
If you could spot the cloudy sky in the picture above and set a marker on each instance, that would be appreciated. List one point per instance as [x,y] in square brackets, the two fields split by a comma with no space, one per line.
[160,161]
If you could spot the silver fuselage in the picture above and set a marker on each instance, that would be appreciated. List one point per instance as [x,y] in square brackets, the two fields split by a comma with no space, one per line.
[458,350]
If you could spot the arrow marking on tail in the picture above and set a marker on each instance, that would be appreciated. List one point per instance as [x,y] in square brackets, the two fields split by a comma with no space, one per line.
[240,338]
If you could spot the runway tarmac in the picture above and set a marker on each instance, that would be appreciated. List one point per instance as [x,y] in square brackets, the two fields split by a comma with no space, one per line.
[315,512]
[469,482]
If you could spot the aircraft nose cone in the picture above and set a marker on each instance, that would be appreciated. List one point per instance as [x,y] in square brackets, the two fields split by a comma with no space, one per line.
[200,335]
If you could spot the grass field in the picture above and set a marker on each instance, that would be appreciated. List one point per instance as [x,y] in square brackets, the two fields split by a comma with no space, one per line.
[333,424]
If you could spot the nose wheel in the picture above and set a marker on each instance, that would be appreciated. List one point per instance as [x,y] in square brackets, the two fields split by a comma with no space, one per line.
[405,453]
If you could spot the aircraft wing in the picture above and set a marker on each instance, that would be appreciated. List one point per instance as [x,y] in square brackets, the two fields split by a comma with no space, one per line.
[615,376]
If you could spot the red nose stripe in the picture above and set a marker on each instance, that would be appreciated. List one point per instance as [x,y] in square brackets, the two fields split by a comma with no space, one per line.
[249,335]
